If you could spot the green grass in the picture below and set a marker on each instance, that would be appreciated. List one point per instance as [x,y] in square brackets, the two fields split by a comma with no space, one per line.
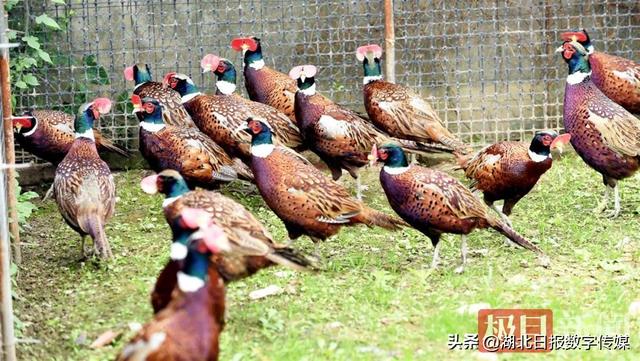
[376,298]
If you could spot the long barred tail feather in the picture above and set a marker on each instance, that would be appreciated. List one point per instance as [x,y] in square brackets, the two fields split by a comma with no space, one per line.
[371,217]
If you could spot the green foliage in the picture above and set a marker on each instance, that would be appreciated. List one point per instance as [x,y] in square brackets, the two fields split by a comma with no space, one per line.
[27,59]
[30,59]
[96,73]
[376,297]
[25,207]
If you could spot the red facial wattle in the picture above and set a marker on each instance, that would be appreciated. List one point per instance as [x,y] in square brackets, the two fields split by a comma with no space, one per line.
[168,78]
[568,51]
[240,44]
[22,122]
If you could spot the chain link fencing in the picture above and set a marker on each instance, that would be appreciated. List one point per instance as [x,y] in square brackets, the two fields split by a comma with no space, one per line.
[488,67]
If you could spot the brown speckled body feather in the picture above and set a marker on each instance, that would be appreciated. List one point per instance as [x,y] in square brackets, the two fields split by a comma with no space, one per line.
[200,160]
[191,325]
[286,132]
[605,135]
[271,87]
[85,192]
[253,247]
[618,78]
[54,135]
[307,201]
[176,114]
[505,170]
[218,116]
[403,114]
[340,137]
[435,203]
[240,226]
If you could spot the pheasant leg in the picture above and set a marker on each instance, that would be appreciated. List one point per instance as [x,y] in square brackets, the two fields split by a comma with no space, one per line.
[463,254]
[436,256]
[616,203]
[605,200]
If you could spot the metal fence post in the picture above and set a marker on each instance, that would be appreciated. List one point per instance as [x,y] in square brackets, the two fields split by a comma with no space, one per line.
[389,43]
[7,192]
[9,147]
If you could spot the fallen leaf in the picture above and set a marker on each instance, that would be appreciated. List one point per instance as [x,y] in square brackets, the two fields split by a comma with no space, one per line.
[135,326]
[81,339]
[612,266]
[265,292]
[105,338]
[472,309]
[634,309]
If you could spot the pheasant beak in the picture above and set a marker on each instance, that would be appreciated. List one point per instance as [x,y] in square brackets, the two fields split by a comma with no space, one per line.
[370,57]
[137,108]
[302,77]
[149,184]
[560,142]
[559,49]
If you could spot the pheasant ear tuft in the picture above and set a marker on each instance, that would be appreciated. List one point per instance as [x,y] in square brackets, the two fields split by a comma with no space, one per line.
[103,105]
[210,62]
[215,239]
[578,36]
[362,51]
[149,184]
[128,73]
[195,218]
[308,71]
[373,157]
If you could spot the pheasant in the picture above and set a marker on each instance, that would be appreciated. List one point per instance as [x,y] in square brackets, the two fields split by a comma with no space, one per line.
[509,170]
[618,78]
[264,84]
[214,115]
[308,202]
[284,129]
[252,248]
[340,137]
[400,112]
[145,87]
[603,133]
[48,134]
[435,203]
[201,161]
[188,329]
[83,185]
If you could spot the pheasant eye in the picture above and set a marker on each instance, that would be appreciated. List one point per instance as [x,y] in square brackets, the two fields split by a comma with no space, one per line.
[220,69]
[173,82]
[149,108]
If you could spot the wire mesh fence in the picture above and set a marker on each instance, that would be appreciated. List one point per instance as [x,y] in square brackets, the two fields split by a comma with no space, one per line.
[488,67]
